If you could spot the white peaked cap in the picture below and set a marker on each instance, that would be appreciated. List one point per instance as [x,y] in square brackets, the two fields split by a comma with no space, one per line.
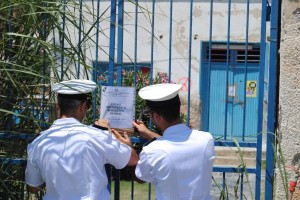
[75,86]
[160,92]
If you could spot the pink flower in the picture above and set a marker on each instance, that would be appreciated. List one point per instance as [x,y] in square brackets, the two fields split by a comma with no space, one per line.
[101,78]
[160,74]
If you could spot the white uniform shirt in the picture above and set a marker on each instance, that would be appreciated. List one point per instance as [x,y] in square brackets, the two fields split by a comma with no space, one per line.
[69,157]
[179,164]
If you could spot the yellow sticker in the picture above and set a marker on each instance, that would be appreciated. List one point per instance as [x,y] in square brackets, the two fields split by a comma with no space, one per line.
[251,89]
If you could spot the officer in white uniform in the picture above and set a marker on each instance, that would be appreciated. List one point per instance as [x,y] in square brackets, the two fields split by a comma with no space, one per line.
[69,157]
[179,163]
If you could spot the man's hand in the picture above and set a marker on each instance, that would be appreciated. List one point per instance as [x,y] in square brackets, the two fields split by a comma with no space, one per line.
[124,139]
[134,158]
[144,131]
[35,190]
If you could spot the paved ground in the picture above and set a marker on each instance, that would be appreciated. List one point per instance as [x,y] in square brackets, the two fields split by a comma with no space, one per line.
[232,182]
[233,188]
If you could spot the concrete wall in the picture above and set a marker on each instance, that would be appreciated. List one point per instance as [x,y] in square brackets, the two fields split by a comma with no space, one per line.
[289,93]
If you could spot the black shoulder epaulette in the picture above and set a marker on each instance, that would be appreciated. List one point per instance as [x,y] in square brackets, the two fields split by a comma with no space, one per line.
[149,141]
[100,127]
[36,136]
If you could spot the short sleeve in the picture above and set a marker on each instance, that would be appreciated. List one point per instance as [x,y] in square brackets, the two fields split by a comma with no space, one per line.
[208,164]
[144,169]
[114,152]
[210,151]
[33,174]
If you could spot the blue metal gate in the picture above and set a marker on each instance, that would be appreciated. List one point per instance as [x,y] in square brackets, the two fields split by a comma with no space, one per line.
[166,36]
[250,102]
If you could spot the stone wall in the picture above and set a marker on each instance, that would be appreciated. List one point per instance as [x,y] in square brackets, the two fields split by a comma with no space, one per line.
[289,90]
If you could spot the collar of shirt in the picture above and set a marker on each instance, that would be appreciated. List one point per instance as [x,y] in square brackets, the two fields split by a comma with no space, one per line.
[65,121]
[178,129]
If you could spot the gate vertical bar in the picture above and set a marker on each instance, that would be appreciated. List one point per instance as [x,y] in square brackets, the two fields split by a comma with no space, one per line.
[224,185]
[63,42]
[79,39]
[120,41]
[152,40]
[134,68]
[135,39]
[245,99]
[10,43]
[42,106]
[112,33]
[209,58]
[272,100]
[190,60]
[151,69]
[242,185]
[170,40]
[112,42]
[246,70]
[97,54]
[119,76]
[227,67]
[260,100]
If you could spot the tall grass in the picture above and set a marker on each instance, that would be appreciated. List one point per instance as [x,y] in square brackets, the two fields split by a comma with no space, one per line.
[140,191]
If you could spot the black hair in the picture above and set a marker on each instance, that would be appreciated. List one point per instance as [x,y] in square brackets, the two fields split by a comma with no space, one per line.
[169,109]
[68,106]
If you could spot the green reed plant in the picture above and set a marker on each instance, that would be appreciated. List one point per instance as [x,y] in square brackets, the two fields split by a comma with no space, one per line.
[280,161]
[33,44]
[243,168]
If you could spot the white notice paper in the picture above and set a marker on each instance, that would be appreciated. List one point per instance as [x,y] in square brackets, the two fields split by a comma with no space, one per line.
[118,106]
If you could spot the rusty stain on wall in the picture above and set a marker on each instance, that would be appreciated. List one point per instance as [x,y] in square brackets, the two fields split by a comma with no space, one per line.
[195,67]
[254,37]
[238,12]
[180,39]
[218,13]
[197,12]
[256,13]
[181,47]
[181,43]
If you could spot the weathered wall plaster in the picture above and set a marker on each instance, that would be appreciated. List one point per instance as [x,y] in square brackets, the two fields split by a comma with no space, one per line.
[289,90]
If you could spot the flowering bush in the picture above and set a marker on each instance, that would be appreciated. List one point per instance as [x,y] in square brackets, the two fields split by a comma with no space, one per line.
[142,78]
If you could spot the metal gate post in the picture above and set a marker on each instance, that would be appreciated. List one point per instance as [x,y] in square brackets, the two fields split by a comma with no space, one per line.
[272,100]
[112,41]
[261,97]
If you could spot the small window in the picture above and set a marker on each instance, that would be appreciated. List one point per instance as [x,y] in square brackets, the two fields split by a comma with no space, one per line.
[236,53]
